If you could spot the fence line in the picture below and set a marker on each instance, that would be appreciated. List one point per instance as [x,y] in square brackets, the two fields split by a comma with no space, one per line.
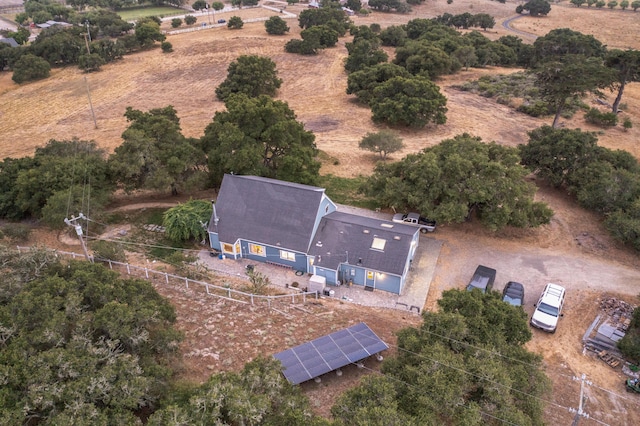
[226,293]
[284,15]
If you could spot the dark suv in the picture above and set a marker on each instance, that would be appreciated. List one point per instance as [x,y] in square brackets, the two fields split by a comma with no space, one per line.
[482,279]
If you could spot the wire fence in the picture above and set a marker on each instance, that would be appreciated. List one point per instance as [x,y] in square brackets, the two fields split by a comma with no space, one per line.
[274,302]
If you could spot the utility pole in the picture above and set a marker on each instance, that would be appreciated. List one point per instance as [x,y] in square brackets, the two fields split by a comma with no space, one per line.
[93,114]
[86,22]
[580,411]
[74,222]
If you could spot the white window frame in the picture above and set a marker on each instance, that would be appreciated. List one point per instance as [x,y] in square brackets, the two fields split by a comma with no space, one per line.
[287,255]
[257,250]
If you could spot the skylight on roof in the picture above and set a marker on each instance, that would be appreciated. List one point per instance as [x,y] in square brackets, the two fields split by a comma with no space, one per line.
[378,243]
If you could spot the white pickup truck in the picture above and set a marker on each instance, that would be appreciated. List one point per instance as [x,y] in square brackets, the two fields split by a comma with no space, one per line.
[425,225]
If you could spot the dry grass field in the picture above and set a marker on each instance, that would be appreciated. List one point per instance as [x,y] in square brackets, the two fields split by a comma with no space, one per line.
[314,87]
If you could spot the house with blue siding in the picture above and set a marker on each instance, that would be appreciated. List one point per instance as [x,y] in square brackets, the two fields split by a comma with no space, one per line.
[299,227]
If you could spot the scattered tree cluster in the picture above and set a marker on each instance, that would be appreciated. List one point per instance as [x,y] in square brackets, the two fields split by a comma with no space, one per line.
[465,364]
[321,29]
[257,395]
[425,50]
[110,39]
[254,135]
[602,180]
[79,342]
[458,179]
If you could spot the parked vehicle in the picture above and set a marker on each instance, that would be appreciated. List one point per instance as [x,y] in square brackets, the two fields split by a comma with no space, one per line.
[549,308]
[513,293]
[482,279]
[633,385]
[425,225]
[221,21]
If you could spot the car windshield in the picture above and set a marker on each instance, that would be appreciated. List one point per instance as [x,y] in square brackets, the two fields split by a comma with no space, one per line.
[548,309]
[515,301]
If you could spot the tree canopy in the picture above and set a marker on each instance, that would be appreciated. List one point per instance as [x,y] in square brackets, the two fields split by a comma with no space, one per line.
[81,343]
[570,75]
[460,176]
[602,180]
[260,136]
[383,143]
[187,220]
[535,7]
[276,26]
[155,155]
[362,83]
[257,395]
[626,63]
[414,102]
[56,168]
[252,75]
[563,41]
[463,365]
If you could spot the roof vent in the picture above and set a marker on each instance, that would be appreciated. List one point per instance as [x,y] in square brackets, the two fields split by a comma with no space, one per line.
[319,244]
[387,225]
[365,231]
[396,237]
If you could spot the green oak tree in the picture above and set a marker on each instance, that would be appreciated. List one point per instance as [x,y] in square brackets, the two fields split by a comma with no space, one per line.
[29,68]
[424,58]
[235,23]
[362,54]
[556,154]
[260,136]
[394,35]
[626,64]
[471,352]
[414,102]
[362,83]
[276,26]
[187,220]
[562,41]
[571,75]
[321,35]
[155,155]
[79,342]
[252,75]
[384,142]
[147,32]
[535,7]
[457,178]
[257,395]
[55,168]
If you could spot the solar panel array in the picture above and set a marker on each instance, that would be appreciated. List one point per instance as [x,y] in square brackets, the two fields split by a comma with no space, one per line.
[330,352]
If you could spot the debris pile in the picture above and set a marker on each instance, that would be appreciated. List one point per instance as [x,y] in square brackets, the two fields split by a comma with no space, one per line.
[619,312]
[607,329]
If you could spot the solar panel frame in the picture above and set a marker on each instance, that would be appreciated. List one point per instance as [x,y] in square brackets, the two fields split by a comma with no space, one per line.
[328,353]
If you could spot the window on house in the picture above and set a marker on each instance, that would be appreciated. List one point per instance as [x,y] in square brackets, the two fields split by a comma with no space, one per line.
[227,248]
[378,243]
[369,275]
[287,255]
[257,250]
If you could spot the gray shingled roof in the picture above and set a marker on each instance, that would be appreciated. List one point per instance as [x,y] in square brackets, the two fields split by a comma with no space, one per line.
[340,233]
[10,41]
[267,211]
